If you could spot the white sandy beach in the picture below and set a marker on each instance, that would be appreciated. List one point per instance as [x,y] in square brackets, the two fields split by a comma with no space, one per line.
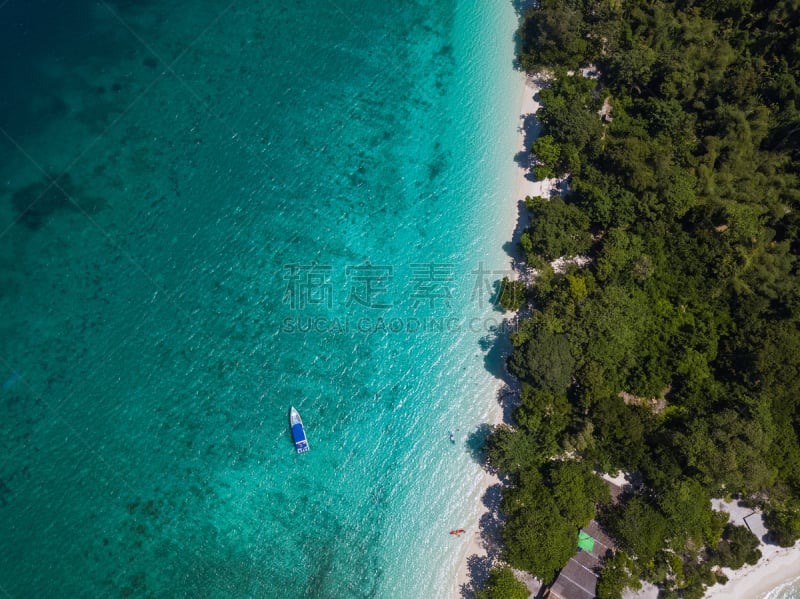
[777,566]
[476,546]
[528,106]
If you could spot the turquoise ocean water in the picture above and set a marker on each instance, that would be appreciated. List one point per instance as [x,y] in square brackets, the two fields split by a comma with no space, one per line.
[789,590]
[257,205]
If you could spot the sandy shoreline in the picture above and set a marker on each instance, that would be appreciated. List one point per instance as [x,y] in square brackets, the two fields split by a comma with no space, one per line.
[475,545]
[529,129]
[777,566]
[477,548]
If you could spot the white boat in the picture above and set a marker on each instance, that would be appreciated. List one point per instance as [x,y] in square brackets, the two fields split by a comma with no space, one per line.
[298,431]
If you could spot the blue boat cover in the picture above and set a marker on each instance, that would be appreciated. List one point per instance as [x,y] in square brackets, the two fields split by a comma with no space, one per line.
[298,433]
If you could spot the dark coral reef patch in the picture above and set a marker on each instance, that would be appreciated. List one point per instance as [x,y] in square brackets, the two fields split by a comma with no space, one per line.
[37,202]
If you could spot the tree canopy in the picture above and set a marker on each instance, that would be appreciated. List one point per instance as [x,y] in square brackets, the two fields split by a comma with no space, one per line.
[503,584]
[676,352]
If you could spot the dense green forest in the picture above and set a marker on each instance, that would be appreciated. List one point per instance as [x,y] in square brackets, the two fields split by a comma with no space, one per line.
[676,353]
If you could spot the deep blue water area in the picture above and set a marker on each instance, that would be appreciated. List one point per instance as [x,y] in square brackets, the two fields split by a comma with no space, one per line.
[212,211]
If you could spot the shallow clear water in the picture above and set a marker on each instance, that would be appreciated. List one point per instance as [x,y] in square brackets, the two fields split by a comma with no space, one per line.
[259,205]
[789,590]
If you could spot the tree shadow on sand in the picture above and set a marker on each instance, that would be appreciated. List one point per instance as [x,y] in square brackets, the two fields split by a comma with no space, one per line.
[530,129]
[490,525]
[490,528]
[498,347]
[512,247]
[520,7]
[476,440]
